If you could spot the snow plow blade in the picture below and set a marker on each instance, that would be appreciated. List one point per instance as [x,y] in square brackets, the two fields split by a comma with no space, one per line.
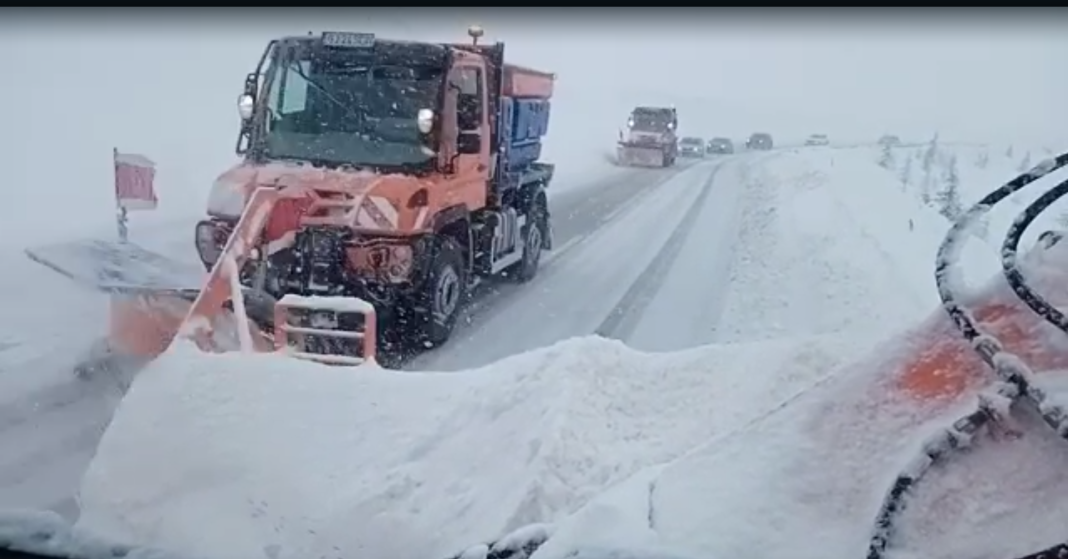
[149,309]
[630,156]
[148,297]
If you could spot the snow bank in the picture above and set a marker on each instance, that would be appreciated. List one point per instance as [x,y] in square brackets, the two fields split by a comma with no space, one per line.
[232,455]
[825,246]
[805,480]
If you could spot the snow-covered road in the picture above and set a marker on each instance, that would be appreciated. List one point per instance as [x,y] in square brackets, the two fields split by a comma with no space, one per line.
[655,276]
[50,423]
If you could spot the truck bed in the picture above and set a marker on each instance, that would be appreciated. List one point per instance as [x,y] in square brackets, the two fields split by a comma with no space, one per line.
[521,82]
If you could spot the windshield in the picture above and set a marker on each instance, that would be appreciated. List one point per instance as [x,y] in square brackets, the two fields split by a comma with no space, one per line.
[651,121]
[691,141]
[337,106]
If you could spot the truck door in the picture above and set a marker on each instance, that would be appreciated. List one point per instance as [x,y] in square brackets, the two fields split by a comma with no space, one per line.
[467,86]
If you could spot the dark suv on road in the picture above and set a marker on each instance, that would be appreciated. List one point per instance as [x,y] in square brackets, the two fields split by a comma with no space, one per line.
[759,140]
[720,146]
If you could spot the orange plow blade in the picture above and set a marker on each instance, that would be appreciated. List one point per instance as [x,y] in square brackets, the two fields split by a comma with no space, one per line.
[147,312]
[331,330]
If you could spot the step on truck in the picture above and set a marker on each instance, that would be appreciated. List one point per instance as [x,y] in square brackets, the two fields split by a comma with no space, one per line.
[650,139]
[380,181]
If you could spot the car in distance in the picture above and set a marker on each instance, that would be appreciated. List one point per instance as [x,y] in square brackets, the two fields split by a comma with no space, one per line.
[691,147]
[720,146]
[759,141]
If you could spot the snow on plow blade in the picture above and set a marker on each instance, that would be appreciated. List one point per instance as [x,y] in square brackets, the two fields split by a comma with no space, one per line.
[632,156]
[151,303]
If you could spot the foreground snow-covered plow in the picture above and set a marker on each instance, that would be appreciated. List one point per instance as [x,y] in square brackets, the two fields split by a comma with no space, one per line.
[1006,336]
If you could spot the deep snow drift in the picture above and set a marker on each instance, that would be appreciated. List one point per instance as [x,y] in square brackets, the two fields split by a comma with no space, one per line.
[323,461]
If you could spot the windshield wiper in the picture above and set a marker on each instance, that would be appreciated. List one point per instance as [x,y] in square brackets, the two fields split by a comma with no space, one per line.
[349,109]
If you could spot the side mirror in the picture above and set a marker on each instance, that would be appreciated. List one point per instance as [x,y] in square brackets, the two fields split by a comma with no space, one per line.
[247,101]
[424,121]
[245,104]
[468,143]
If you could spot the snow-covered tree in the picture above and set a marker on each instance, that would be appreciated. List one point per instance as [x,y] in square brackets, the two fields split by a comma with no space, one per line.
[949,195]
[886,158]
[905,175]
[982,159]
[930,155]
[1009,152]
[1025,163]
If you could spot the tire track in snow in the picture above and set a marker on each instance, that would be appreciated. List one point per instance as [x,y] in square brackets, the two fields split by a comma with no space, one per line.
[623,318]
[579,227]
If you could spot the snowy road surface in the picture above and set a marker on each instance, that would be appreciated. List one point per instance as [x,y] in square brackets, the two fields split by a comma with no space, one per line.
[50,424]
[667,256]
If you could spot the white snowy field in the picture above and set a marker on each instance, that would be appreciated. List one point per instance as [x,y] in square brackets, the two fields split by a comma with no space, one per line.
[801,289]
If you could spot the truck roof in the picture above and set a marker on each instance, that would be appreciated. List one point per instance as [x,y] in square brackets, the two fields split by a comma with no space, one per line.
[518,81]
[654,109]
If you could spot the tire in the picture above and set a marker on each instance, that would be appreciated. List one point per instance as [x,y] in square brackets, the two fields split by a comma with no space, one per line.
[534,234]
[444,292]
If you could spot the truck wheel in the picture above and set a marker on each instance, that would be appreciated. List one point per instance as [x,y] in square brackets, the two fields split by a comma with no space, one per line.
[533,241]
[444,291]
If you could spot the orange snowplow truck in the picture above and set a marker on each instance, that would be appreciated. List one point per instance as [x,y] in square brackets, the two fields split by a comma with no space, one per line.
[381,181]
[651,139]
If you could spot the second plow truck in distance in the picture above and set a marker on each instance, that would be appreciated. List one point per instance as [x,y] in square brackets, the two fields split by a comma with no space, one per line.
[398,173]
[650,139]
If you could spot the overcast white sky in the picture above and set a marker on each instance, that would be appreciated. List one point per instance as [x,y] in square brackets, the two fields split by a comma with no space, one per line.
[78,86]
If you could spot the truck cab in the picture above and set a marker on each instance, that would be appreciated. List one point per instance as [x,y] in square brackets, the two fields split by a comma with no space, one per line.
[407,172]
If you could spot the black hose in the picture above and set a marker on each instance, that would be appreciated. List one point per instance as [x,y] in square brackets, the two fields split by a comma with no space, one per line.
[1009,248]
[1013,374]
